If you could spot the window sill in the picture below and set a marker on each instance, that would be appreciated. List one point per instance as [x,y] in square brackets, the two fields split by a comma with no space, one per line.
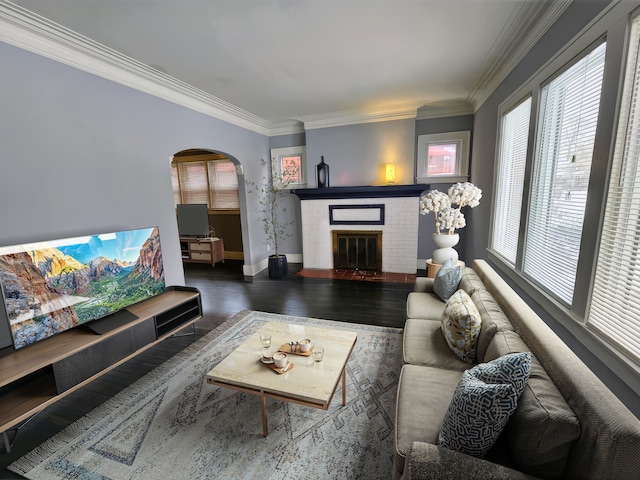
[443,179]
[224,211]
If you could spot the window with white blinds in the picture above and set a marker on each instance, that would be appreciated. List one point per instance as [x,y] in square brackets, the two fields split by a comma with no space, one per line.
[569,106]
[614,312]
[213,182]
[194,186]
[224,184]
[514,139]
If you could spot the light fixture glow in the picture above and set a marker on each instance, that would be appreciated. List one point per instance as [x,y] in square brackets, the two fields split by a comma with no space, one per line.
[390,173]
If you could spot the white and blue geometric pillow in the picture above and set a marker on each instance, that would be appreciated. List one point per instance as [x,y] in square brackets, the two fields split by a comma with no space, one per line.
[483,401]
[513,368]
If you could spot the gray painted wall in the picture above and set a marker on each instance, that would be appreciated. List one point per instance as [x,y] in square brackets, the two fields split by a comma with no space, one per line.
[292,140]
[83,155]
[357,154]
[482,171]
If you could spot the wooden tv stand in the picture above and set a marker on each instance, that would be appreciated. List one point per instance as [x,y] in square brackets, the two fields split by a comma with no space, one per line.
[39,375]
[202,250]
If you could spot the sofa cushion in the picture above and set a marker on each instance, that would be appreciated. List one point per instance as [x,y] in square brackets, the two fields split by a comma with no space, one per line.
[482,403]
[541,431]
[447,280]
[460,324]
[470,281]
[424,394]
[424,344]
[493,320]
[423,284]
[424,305]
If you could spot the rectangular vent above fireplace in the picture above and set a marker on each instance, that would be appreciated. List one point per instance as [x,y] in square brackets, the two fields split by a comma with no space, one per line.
[357,250]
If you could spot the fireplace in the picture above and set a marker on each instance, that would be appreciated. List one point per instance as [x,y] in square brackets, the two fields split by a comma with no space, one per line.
[390,211]
[357,250]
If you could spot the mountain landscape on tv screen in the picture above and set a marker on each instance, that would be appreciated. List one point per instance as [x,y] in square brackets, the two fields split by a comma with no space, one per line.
[49,290]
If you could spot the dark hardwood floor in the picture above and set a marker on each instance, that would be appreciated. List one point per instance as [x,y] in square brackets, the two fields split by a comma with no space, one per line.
[225,292]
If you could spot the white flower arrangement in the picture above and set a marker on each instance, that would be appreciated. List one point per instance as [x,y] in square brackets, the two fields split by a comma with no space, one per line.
[447,217]
[450,219]
[465,194]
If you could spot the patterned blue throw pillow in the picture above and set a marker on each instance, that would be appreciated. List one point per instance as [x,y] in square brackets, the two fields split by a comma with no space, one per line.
[447,280]
[513,368]
[484,399]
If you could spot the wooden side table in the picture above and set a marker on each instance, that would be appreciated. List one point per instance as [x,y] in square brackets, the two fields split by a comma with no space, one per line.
[432,268]
[202,250]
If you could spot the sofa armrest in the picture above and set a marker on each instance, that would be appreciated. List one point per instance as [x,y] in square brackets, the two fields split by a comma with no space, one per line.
[426,461]
[423,284]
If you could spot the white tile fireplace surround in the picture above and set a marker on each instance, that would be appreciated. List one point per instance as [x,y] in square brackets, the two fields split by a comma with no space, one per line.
[357,209]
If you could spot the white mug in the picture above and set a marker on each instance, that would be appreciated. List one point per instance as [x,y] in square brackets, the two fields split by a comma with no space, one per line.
[279,359]
[305,345]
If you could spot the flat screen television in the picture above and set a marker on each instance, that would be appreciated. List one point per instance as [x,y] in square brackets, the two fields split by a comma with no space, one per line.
[50,287]
[193,219]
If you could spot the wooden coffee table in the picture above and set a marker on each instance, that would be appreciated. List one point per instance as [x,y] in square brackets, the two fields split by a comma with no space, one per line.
[307,383]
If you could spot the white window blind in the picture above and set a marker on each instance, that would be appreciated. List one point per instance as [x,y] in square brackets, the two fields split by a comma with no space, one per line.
[193,182]
[224,184]
[614,312]
[214,182]
[514,136]
[562,164]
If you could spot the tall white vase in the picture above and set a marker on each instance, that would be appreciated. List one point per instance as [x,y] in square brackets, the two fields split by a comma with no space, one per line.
[445,250]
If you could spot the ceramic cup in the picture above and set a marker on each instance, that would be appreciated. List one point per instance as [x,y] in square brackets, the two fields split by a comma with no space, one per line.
[279,359]
[305,344]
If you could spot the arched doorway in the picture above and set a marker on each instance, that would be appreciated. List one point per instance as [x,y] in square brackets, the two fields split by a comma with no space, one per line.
[201,176]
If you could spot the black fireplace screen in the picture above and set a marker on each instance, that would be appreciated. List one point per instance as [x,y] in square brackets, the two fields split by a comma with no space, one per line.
[357,250]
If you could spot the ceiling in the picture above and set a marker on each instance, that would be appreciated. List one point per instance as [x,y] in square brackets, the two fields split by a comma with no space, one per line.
[309,60]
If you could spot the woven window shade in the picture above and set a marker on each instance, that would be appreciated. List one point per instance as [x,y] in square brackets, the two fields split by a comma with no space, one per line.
[224,184]
[564,150]
[614,311]
[214,182]
[510,180]
[193,182]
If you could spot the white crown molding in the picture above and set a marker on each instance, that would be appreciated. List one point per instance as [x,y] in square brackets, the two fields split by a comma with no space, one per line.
[353,117]
[452,108]
[22,28]
[527,25]
[285,127]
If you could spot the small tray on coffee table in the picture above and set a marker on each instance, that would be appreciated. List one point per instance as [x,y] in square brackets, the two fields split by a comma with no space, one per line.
[278,370]
[286,348]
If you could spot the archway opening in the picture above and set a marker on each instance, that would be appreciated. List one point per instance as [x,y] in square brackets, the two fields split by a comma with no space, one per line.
[208,177]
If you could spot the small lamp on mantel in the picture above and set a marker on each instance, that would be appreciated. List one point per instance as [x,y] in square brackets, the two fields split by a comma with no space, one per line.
[390,173]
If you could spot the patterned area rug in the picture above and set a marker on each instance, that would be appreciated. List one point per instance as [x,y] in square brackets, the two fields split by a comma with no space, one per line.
[171,424]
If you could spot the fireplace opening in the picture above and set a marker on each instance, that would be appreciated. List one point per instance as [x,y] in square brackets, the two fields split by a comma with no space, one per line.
[357,250]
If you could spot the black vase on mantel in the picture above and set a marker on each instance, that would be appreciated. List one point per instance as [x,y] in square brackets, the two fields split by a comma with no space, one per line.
[322,174]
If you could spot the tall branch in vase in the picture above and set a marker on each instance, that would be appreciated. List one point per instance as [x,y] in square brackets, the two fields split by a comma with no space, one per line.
[271,192]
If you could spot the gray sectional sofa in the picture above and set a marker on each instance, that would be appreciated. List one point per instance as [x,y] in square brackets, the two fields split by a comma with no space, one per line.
[567,423]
